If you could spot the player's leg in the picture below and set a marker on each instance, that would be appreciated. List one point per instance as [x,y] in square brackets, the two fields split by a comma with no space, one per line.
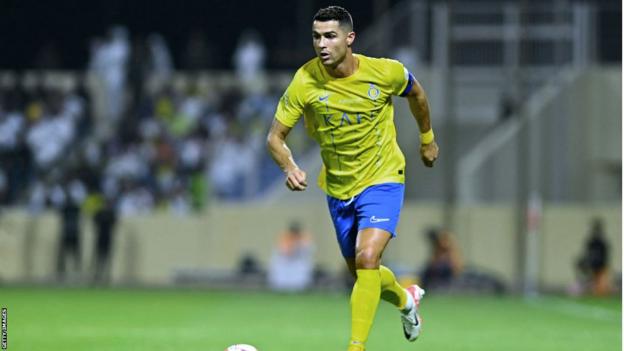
[367,289]
[379,207]
[391,290]
[375,211]
[343,217]
[406,300]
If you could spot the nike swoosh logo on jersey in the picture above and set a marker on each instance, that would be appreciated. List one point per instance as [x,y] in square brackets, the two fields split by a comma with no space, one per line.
[323,98]
[374,219]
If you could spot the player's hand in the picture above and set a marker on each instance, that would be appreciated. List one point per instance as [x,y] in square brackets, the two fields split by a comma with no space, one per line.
[296,180]
[429,153]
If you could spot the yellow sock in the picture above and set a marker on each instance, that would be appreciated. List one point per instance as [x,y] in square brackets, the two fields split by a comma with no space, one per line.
[391,290]
[364,301]
[356,347]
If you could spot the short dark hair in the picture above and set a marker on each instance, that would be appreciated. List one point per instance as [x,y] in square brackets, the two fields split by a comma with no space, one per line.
[335,13]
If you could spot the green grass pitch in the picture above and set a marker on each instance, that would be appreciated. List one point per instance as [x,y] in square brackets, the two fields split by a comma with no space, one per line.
[197,320]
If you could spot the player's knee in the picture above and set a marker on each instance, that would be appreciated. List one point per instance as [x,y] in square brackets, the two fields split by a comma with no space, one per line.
[367,259]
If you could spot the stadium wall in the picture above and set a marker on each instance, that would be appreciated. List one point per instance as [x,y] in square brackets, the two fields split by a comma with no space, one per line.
[155,249]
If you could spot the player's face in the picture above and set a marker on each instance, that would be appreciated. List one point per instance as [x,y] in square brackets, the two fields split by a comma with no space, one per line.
[331,42]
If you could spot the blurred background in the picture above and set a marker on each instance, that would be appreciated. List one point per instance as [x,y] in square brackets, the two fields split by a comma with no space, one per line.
[132,145]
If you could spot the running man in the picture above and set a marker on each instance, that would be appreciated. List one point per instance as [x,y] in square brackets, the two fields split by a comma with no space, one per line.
[346,101]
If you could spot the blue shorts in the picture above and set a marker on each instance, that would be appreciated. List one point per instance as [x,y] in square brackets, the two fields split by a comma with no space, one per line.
[378,206]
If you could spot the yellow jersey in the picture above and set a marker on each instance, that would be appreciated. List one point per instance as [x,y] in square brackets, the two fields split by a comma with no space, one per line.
[352,119]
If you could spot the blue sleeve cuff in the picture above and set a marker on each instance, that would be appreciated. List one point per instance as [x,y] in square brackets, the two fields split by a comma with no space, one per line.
[410,84]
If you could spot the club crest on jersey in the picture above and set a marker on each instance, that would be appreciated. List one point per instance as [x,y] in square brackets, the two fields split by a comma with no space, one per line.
[373,91]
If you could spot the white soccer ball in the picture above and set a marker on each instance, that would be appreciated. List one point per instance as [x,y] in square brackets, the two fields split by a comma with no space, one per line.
[241,347]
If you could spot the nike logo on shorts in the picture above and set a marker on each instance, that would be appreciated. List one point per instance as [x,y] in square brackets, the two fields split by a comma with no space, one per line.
[323,98]
[374,219]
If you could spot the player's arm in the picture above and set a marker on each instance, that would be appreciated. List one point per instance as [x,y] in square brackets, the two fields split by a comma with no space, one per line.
[419,105]
[276,143]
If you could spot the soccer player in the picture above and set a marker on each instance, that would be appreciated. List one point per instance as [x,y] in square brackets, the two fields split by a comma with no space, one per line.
[346,101]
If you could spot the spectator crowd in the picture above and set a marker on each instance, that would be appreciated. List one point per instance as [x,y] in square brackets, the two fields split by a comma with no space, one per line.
[133,131]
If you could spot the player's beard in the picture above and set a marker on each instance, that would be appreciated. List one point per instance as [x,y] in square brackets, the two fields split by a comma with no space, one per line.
[332,60]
